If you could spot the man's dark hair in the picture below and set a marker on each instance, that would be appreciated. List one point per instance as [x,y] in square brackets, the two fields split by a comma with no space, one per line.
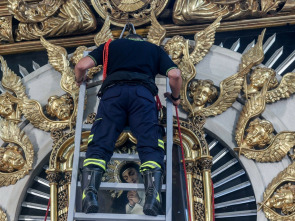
[134,36]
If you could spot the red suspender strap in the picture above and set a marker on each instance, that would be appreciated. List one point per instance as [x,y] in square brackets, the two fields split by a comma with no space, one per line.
[105,58]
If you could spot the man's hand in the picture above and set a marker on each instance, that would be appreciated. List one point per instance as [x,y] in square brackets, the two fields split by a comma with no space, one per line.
[175,102]
[133,197]
[80,81]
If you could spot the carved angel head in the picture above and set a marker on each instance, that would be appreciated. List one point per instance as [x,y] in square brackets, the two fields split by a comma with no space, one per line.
[283,199]
[60,106]
[202,91]
[259,77]
[260,133]
[7,107]
[11,159]
[174,47]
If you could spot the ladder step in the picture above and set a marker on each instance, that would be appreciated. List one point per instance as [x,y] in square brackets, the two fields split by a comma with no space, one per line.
[116,217]
[123,186]
[118,156]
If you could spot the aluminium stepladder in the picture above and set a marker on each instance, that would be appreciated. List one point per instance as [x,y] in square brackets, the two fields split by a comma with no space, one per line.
[73,215]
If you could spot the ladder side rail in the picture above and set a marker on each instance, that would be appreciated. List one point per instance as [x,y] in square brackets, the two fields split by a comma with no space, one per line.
[169,145]
[78,136]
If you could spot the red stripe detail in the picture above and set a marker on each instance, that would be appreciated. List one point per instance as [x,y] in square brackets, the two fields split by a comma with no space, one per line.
[183,163]
[105,58]
[159,105]
[48,205]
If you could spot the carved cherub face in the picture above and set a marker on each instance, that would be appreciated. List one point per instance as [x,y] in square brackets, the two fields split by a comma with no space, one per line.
[280,199]
[130,175]
[174,47]
[60,107]
[11,159]
[6,105]
[261,75]
[202,91]
[259,133]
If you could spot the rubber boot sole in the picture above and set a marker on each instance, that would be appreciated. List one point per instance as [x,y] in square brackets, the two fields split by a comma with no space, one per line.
[92,209]
[152,211]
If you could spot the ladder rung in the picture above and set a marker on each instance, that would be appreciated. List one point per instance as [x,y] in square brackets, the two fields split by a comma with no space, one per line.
[123,186]
[116,217]
[118,156]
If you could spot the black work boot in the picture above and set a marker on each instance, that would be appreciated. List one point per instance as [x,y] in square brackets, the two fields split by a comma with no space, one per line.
[153,180]
[91,179]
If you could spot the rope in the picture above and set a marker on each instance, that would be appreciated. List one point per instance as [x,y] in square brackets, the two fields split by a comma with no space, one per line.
[213,206]
[183,163]
[105,58]
[48,205]
[159,105]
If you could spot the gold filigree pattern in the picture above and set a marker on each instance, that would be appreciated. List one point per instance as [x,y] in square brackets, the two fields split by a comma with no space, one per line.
[51,18]
[137,12]
[278,198]
[6,29]
[13,165]
[198,11]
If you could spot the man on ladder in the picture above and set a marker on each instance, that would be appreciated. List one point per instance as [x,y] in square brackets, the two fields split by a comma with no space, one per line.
[127,98]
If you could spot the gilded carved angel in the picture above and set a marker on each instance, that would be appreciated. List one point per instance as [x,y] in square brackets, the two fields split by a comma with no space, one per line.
[203,91]
[9,107]
[279,196]
[16,158]
[260,132]
[275,90]
[63,109]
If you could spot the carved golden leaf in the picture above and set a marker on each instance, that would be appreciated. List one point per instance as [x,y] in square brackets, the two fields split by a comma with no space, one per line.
[3,216]
[11,133]
[276,151]
[156,32]
[285,89]
[105,33]
[204,41]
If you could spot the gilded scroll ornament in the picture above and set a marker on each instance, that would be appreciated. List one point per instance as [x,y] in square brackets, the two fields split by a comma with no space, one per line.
[279,196]
[3,216]
[6,29]
[156,32]
[137,12]
[51,18]
[276,90]
[16,158]
[199,11]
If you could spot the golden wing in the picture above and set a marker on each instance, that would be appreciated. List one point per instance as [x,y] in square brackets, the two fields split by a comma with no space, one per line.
[188,72]
[276,151]
[284,90]
[255,55]
[229,90]
[11,133]
[11,81]
[105,33]
[204,40]
[156,32]
[253,107]
[57,55]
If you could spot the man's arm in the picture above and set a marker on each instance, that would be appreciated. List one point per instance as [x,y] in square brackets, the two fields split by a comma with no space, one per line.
[175,82]
[81,67]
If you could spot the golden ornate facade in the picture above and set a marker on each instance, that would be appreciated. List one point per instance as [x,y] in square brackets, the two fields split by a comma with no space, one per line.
[255,136]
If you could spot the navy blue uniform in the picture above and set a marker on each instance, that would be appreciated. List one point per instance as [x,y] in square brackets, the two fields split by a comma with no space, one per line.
[128,98]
